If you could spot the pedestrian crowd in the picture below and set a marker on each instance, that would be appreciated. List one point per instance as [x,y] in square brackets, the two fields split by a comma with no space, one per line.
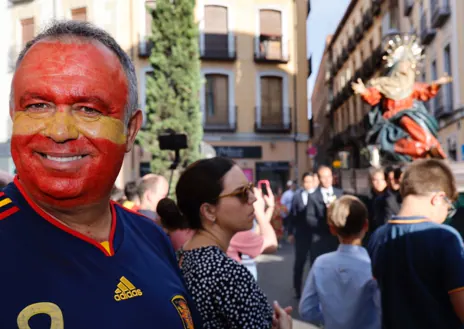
[395,264]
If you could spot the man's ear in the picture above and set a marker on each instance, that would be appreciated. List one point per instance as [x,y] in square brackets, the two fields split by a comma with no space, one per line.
[135,123]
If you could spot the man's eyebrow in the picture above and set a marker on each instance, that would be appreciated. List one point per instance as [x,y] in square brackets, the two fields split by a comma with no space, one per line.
[75,99]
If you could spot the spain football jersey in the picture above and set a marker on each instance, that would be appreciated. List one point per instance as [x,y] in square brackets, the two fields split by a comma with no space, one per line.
[53,278]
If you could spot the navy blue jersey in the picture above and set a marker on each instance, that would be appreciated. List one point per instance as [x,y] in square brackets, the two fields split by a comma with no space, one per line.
[417,264]
[54,278]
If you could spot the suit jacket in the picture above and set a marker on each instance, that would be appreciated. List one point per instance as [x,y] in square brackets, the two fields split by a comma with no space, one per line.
[316,211]
[298,223]
[386,207]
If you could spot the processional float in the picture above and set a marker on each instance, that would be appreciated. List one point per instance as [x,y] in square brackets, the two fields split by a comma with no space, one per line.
[401,129]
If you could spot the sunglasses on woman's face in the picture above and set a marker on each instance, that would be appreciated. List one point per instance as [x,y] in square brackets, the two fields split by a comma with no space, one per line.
[243,193]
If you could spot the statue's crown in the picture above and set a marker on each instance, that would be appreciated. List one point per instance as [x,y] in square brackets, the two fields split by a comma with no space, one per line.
[402,46]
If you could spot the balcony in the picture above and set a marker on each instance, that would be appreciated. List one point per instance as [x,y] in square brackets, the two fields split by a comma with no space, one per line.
[368,68]
[339,62]
[218,47]
[310,66]
[227,124]
[427,34]
[351,44]
[333,70]
[145,46]
[376,7]
[344,56]
[17,2]
[358,33]
[270,50]
[442,107]
[377,57]
[408,5]
[268,124]
[368,19]
[441,11]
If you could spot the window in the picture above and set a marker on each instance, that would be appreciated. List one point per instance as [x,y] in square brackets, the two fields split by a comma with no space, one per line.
[348,74]
[216,30]
[79,14]
[433,72]
[448,88]
[27,30]
[452,148]
[270,38]
[216,99]
[271,100]
[352,105]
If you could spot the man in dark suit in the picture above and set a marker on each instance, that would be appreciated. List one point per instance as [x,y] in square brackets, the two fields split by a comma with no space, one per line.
[299,230]
[322,241]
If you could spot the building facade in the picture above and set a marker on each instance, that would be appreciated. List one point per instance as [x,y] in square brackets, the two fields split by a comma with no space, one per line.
[253,63]
[320,128]
[356,51]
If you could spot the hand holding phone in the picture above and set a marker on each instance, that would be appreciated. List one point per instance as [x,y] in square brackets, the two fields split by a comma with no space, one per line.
[267,193]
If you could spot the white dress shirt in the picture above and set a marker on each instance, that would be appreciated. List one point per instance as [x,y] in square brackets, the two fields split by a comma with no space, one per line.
[327,194]
[305,194]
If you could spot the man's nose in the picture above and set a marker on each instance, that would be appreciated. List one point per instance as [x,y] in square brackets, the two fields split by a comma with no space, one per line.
[62,127]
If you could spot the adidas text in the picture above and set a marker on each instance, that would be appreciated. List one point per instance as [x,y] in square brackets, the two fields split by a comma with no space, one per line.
[127,295]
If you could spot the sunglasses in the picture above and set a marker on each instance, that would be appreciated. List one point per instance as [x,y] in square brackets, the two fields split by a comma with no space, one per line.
[243,194]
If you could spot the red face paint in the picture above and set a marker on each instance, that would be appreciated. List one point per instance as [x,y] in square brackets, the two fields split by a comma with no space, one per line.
[69,105]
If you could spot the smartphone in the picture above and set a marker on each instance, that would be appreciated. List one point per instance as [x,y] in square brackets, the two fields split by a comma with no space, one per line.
[264,182]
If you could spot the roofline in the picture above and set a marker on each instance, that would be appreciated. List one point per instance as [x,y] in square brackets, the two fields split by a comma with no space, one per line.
[342,22]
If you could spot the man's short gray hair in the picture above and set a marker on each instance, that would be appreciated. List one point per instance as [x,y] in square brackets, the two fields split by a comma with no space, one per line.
[69,29]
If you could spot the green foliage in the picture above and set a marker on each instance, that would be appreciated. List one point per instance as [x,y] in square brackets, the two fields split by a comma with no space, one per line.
[172,100]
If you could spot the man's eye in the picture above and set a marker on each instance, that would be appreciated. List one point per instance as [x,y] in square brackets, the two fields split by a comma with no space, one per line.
[36,107]
[89,111]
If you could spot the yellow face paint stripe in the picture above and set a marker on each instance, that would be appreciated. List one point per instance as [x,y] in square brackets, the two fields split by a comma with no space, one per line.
[104,127]
[4,202]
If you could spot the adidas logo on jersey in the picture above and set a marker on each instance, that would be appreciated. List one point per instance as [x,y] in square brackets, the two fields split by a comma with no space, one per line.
[126,290]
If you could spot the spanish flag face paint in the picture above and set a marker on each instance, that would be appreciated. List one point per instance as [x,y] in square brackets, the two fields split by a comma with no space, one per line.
[69,138]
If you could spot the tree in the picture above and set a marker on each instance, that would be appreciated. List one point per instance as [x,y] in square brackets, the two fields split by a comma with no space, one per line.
[172,100]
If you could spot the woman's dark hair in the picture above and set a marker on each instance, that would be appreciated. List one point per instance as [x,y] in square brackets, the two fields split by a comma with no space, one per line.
[201,182]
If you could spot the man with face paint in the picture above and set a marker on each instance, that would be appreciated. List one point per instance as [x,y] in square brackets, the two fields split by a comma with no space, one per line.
[68,254]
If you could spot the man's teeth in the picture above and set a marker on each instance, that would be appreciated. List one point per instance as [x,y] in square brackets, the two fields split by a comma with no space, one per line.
[64,159]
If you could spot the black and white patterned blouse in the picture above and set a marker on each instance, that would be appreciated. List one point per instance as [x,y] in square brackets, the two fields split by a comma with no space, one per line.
[225,292]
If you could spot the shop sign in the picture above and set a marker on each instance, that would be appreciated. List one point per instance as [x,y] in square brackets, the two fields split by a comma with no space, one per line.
[239,152]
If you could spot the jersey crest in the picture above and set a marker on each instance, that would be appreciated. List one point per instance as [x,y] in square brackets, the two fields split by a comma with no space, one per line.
[182,308]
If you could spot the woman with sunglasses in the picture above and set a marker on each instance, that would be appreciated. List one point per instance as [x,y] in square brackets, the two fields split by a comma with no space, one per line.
[215,199]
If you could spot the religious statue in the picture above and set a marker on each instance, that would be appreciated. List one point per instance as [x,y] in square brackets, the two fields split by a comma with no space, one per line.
[399,122]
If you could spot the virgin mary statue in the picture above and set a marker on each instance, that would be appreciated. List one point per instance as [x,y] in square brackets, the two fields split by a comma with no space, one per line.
[399,122]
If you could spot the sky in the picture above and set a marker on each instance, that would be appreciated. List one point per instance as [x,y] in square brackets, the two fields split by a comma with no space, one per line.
[322,21]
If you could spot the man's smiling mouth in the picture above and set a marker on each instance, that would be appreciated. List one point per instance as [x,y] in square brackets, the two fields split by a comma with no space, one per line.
[62,158]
